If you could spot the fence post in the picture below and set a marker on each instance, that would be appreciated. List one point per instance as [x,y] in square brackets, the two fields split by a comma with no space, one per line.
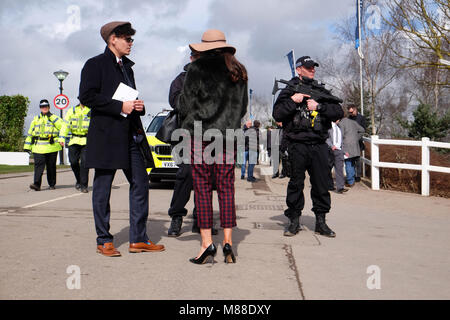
[375,155]
[425,167]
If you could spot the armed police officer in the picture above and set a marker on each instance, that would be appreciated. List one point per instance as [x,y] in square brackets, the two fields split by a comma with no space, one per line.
[75,128]
[42,141]
[306,110]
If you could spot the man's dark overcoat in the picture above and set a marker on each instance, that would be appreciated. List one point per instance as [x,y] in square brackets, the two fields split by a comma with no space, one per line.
[109,132]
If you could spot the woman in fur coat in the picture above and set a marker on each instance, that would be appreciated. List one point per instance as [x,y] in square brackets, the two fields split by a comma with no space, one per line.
[215,96]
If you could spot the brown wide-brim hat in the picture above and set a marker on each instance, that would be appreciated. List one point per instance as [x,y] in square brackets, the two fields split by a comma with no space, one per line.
[108,28]
[212,39]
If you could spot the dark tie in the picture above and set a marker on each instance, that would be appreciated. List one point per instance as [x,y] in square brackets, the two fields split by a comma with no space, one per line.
[125,75]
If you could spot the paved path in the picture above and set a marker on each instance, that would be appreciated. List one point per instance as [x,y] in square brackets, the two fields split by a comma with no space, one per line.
[394,241]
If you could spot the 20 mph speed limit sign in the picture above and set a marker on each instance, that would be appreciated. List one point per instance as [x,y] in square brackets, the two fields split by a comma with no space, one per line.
[61,101]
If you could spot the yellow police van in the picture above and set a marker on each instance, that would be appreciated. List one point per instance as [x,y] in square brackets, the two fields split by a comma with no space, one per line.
[165,167]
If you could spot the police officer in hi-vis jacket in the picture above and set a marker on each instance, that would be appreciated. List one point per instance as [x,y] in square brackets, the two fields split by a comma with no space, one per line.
[75,128]
[42,141]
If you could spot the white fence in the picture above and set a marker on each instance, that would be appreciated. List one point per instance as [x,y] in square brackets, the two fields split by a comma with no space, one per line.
[14,158]
[424,167]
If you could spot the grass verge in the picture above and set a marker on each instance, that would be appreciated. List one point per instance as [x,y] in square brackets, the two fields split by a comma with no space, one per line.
[4,169]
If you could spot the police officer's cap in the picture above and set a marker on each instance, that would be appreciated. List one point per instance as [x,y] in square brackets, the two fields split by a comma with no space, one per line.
[306,61]
[44,103]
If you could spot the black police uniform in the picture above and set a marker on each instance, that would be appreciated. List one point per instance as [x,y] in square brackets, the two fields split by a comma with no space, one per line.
[307,152]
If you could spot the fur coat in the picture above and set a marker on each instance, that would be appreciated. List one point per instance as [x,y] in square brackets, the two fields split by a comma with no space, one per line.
[211,97]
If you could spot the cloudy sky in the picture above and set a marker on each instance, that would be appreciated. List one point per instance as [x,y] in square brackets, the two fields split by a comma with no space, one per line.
[40,37]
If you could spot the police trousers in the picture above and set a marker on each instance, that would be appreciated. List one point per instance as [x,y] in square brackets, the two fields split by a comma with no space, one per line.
[312,158]
[41,161]
[77,155]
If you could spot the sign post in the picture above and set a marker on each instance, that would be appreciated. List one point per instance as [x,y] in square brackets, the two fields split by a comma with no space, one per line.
[61,101]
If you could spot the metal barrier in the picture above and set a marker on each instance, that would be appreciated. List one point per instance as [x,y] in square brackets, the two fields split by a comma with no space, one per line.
[424,167]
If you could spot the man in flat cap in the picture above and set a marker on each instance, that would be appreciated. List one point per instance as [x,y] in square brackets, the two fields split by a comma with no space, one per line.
[113,138]
[306,123]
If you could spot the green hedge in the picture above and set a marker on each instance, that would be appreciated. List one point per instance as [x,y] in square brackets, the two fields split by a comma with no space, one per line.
[13,110]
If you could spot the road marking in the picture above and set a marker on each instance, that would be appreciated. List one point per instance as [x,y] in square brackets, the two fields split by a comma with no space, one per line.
[62,198]
[53,200]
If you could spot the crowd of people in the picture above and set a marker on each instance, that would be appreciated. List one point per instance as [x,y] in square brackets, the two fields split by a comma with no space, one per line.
[309,135]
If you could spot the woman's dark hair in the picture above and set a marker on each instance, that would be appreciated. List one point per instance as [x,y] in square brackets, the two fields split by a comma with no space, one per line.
[124,30]
[236,69]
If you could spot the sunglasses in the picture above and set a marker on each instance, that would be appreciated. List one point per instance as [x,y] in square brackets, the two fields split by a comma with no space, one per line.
[128,39]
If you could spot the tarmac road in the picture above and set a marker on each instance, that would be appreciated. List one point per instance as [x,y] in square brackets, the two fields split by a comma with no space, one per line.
[389,245]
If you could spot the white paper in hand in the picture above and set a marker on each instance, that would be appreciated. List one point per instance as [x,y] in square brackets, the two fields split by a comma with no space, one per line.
[125,93]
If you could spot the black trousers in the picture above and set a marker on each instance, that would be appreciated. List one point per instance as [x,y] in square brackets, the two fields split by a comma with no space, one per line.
[76,153]
[182,192]
[101,193]
[331,163]
[314,159]
[42,160]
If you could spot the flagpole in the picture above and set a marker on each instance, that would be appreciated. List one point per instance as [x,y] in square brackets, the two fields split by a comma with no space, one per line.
[360,58]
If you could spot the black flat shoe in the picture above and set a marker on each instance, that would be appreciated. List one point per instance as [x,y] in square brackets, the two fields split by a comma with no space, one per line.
[228,254]
[209,252]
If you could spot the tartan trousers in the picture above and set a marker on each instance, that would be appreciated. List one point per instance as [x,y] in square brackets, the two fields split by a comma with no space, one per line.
[202,175]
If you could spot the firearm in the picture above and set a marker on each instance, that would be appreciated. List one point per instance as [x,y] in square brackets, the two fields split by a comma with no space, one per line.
[313,89]
[305,119]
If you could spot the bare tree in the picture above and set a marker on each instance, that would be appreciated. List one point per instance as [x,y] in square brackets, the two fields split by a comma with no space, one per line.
[261,108]
[380,79]
[425,25]
[421,32]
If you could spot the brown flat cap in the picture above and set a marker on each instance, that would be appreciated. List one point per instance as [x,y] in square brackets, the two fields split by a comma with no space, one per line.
[108,28]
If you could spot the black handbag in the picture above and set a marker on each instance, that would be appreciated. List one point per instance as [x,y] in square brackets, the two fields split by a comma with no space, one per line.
[169,125]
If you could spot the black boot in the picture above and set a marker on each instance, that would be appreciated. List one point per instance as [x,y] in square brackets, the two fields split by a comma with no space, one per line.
[196,229]
[321,226]
[175,227]
[35,187]
[293,227]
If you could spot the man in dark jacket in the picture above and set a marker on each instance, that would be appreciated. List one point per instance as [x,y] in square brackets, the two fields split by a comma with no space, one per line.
[306,124]
[353,114]
[113,136]
[283,155]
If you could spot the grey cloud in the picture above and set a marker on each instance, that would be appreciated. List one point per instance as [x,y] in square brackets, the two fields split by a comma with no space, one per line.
[276,27]
[84,44]
[263,32]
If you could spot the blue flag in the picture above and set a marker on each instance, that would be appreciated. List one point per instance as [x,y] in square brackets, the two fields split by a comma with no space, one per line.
[359,10]
[291,60]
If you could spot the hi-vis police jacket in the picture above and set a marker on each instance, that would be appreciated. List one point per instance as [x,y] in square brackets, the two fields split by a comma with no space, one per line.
[44,129]
[76,125]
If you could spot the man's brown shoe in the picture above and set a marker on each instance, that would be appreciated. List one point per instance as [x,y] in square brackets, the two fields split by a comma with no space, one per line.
[108,250]
[145,247]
